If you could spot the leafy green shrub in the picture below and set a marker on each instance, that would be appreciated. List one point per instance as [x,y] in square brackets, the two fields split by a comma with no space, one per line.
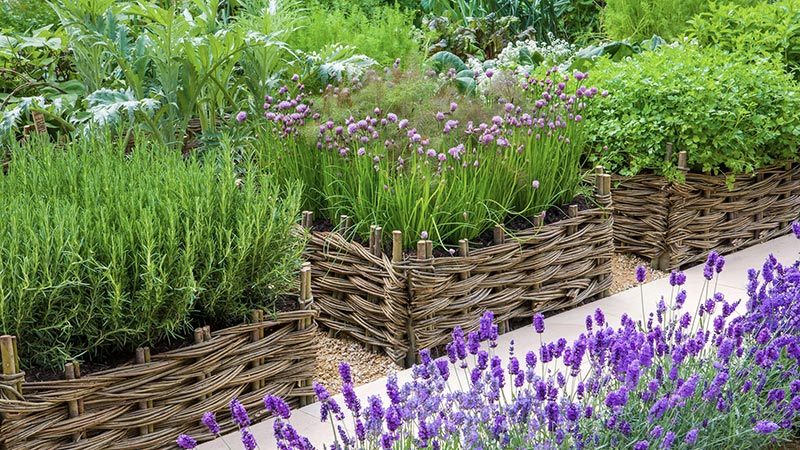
[383,33]
[727,114]
[762,30]
[582,20]
[640,19]
[102,251]
[19,15]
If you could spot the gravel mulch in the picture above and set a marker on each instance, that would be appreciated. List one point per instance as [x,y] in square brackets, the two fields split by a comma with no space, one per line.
[367,366]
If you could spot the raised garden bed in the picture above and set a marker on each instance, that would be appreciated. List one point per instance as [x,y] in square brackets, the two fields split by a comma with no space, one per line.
[147,403]
[400,303]
[677,224]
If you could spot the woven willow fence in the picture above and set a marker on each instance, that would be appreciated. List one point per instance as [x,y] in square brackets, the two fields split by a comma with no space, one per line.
[677,224]
[148,403]
[400,305]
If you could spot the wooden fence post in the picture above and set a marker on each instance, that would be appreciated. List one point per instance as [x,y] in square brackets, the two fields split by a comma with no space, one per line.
[256,316]
[602,195]
[306,300]
[143,357]
[72,371]
[12,377]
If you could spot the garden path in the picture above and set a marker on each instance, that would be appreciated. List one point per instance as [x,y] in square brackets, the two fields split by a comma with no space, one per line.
[569,325]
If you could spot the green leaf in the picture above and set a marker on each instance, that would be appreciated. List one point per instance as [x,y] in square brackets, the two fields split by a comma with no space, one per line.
[443,61]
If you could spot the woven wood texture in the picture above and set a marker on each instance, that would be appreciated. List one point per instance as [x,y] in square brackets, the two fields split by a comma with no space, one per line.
[146,406]
[678,224]
[641,211]
[556,267]
[358,294]
[402,307]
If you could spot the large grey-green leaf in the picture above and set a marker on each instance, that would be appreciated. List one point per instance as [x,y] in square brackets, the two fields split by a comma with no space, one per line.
[108,106]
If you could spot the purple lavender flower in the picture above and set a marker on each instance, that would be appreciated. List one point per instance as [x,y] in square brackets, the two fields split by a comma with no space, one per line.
[599,317]
[538,322]
[278,406]
[185,441]
[641,445]
[691,437]
[241,116]
[641,274]
[239,414]
[248,440]
[796,229]
[210,421]
[765,427]
[345,373]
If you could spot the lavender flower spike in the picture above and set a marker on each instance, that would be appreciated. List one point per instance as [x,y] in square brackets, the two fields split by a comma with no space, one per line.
[210,421]
[796,229]
[239,414]
[538,322]
[641,274]
[185,441]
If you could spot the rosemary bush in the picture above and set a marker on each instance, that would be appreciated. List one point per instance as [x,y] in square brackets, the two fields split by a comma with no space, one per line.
[102,251]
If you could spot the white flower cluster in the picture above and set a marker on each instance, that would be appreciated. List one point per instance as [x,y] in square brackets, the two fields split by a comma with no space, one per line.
[559,53]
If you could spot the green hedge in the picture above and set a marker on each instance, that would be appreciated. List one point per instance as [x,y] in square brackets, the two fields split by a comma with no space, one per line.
[101,252]
[770,30]
[728,114]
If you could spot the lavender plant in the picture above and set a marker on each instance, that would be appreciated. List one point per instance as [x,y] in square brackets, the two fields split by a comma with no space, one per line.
[380,168]
[713,379]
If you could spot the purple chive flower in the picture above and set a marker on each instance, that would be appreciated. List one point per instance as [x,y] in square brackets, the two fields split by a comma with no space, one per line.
[239,414]
[641,274]
[535,184]
[185,441]
[489,73]
[439,115]
[242,116]
[538,322]
[210,421]
[423,235]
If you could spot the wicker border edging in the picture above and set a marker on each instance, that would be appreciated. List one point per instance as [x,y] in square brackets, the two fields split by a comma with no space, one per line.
[147,405]
[676,224]
[400,306]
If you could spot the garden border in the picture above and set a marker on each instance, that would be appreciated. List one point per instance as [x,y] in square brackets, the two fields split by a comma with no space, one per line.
[677,224]
[400,305]
[146,404]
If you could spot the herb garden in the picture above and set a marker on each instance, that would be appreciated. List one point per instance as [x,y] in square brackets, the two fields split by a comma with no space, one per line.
[193,187]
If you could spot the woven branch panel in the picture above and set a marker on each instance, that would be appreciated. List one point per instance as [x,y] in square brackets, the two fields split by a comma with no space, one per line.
[641,211]
[359,294]
[685,221]
[558,266]
[147,405]
[401,306]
